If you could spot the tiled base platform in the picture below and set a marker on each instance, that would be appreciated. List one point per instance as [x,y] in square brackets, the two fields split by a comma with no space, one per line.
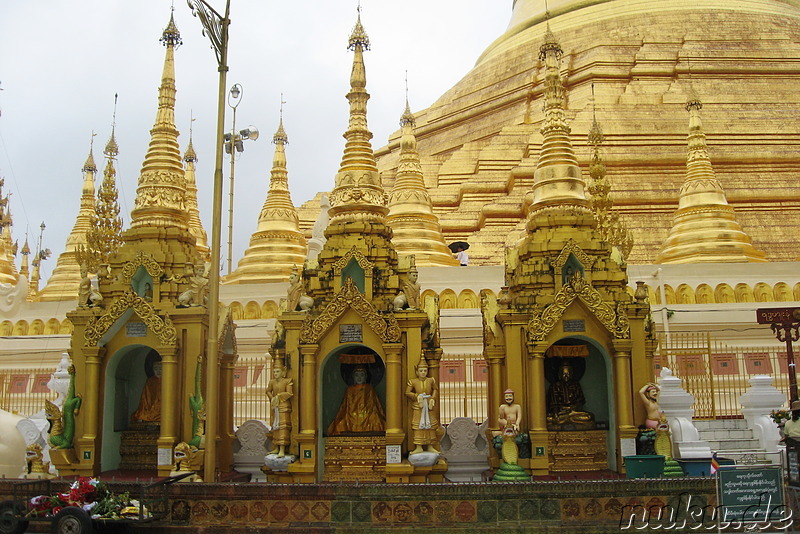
[541,507]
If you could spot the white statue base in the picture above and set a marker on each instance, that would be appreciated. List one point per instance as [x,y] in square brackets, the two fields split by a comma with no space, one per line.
[757,403]
[276,463]
[677,406]
[423,459]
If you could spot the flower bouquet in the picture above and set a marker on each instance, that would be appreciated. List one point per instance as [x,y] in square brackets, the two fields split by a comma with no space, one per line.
[780,416]
[93,497]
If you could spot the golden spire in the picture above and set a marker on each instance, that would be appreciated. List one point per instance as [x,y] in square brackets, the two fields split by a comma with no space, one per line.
[8,270]
[195,224]
[277,245]
[415,227]
[161,195]
[63,283]
[26,250]
[704,227]
[610,226]
[105,235]
[358,193]
[557,179]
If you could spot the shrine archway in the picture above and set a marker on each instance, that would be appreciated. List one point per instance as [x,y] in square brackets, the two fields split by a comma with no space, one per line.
[126,374]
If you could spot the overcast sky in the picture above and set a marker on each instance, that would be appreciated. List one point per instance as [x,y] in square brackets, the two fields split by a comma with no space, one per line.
[62,62]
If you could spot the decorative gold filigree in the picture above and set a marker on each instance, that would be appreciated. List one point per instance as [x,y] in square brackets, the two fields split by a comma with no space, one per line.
[571,248]
[161,327]
[577,287]
[386,327]
[142,259]
[342,262]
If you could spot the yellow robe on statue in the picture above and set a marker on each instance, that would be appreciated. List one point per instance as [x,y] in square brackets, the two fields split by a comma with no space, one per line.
[149,409]
[360,411]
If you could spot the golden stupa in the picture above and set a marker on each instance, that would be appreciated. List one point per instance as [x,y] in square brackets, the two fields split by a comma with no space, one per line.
[477,140]
[277,246]
[8,269]
[704,227]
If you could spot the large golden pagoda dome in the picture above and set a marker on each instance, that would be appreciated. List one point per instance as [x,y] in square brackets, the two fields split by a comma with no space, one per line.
[643,60]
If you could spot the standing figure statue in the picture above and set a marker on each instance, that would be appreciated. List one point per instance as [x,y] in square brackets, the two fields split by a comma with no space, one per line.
[649,395]
[280,391]
[423,392]
[509,419]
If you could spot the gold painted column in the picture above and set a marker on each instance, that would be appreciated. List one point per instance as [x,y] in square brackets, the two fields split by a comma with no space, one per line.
[536,407]
[623,387]
[394,393]
[168,427]
[87,444]
[494,358]
[225,445]
[304,469]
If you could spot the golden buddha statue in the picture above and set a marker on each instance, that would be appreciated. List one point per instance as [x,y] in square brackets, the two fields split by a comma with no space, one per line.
[361,409]
[149,410]
[565,402]
[423,392]
[280,391]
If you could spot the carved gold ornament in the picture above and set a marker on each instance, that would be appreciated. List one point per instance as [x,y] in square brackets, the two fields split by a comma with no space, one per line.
[616,321]
[145,260]
[571,248]
[350,297]
[162,328]
[342,262]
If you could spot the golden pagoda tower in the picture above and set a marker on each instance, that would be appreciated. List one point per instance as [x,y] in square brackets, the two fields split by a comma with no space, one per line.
[104,236]
[63,283]
[704,227]
[8,269]
[278,246]
[609,224]
[565,304]
[144,328]
[415,227]
[195,224]
[344,315]
[26,251]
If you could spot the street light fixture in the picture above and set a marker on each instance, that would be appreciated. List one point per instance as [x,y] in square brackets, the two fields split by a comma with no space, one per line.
[215,27]
[234,144]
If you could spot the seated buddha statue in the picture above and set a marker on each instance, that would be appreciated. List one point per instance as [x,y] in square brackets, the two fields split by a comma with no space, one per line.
[565,402]
[361,409]
[149,409]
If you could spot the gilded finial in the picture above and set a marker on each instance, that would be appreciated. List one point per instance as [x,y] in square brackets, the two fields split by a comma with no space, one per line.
[190,154]
[596,137]
[358,37]
[90,166]
[280,136]
[407,117]
[171,35]
[112,149]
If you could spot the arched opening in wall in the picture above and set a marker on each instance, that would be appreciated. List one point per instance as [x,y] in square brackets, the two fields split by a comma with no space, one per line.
[21,328]
[252,310]
[131,405]
[704,294]
[352,394]
[783,293]
[579,396]
[763,293]
[36,328]
[66,327]
[467,299]
[52,326]
[447,300]
[269,310]
[670,294]
[744,293]
[684,295]
[724,293]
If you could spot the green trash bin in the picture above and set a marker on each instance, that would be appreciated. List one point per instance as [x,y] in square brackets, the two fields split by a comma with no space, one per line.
[644,466]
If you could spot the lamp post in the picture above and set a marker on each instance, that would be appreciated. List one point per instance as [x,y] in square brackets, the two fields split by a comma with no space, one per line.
[233,144]
[215,27]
